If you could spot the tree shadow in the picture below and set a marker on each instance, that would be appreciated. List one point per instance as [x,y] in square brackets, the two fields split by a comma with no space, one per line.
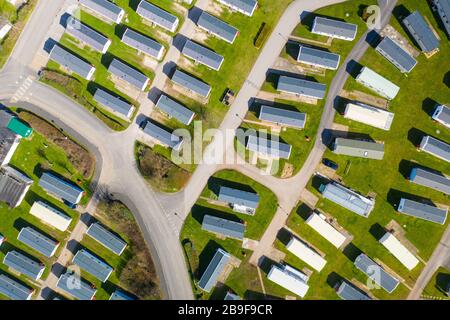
[334,279]
[446,79]
[317,181]
[394,196]
[415,136]
[377,231]
[265,264]
[307,19]
[373,38]
[284,236]
[92,87]
[220,291]
[179,41]
[292,49]
[353,68]
[428,106]
[49,44]
[304,211]
[205,258]
[133,4]
[194,14]
[215,183]
[442,282]
[351,252]
[255,295]
[340,103]
[199,212]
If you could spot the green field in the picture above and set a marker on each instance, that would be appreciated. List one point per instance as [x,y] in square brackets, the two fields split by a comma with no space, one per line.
[18,18]
[204,244]
[386,179]
[34,155]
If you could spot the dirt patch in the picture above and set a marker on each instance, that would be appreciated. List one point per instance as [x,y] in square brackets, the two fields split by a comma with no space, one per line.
[401,40]
[214,8]
[80,158]
[365,98]
[138,275]
[288,170]
[161,172]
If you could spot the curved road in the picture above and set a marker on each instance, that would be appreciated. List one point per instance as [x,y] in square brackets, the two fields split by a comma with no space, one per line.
[161,216]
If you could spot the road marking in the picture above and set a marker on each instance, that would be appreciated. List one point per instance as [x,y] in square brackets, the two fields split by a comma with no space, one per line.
[22,89]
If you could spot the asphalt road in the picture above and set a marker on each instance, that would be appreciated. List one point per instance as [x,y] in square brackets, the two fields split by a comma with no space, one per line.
[161,216]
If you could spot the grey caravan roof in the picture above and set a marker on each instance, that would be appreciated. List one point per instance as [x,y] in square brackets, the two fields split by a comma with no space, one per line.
[163,136]
[239,197]
[103,7]
[268,147]
[91,264]
[81,291]
[157,15]
[245,5]
[13,184]
[214,269]
[443,116]
[430,179]
[231,296]
[24,265]
[400,58]
[359,148]
[284,117]
[421,32]
[202,55]
[193,84]
[175,110]
[347,198]
[436,147]
[5,116]
[13,289]
[87,35]
[333,27]
[142,43]
[128,74]
[376,273]
[318,57]
[36,240]
[71,62]
[302,87]
[7,140]
[105,237]
[443,9]
[224,227]
[60,188]
[347,291]
[114,103]
[119,295]
[422,211]
[217,27]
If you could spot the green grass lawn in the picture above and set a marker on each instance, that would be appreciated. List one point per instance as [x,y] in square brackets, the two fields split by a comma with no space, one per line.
[19,19]
[204,244]
[436,288]
[295,137]
[32,156]
[386,178]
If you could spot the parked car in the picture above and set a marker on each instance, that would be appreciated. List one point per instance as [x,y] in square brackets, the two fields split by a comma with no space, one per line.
[331,164]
